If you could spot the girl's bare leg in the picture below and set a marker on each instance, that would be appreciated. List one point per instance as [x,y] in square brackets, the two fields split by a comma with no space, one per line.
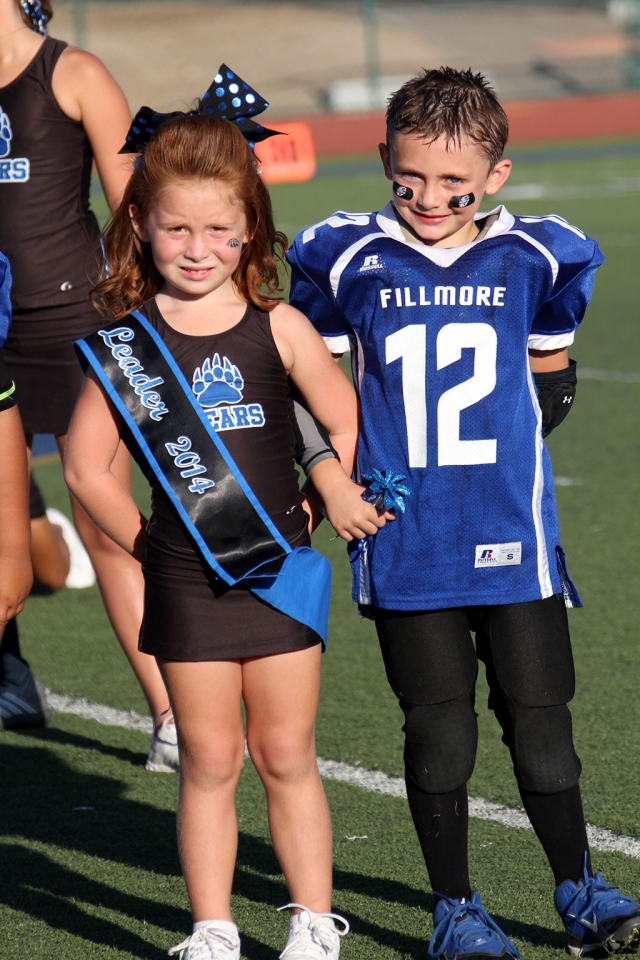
[122,587]
[281,698]
[206,703]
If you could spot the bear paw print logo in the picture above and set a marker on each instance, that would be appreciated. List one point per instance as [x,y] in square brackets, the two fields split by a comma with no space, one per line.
[217,382]
[5,134]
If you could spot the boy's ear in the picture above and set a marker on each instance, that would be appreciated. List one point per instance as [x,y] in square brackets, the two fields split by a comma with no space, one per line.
[138,227]
[498,176]
[386,160]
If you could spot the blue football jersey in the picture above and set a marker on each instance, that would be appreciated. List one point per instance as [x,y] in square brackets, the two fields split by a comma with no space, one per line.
[439,341]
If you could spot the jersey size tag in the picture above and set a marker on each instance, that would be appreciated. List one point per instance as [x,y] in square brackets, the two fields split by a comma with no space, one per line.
[498,554]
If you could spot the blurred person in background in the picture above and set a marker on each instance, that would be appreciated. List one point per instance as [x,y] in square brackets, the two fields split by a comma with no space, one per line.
[58,556]
[58,559]
[60,110]
[20,692]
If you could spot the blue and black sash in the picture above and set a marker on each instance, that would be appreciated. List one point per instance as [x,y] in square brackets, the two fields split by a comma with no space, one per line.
[168,427]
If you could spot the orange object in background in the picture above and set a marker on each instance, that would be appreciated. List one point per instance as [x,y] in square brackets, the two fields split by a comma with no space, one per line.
[290,158]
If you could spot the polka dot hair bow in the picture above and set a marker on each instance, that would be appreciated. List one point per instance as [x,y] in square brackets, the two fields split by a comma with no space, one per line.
[228,97]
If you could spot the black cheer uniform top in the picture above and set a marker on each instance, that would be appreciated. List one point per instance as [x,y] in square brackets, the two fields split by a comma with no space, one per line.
[240,383]
[243,389]
[47,230]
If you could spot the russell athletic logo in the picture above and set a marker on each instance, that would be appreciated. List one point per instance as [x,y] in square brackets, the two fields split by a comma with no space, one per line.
[371,262]
[15,170]
[498,554]
[218,385]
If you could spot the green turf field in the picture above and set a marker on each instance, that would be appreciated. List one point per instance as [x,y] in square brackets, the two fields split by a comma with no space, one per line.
[104,881]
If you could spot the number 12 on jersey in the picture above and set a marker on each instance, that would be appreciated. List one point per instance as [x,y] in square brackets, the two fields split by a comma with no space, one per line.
[410,345]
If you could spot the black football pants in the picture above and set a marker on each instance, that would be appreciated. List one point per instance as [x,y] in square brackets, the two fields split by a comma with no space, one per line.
[432,665]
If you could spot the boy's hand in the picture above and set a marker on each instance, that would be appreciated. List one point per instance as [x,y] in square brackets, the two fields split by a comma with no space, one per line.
[351,516]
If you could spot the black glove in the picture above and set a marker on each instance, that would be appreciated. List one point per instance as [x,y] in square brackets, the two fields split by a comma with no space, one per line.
[556,393]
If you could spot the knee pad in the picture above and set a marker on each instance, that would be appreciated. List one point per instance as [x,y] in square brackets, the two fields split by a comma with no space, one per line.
[440,744]
[541,745]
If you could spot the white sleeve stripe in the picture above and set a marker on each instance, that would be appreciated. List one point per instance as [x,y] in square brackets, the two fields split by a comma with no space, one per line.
[338,344]
[553,263]
[544,575]
[346,258]
[550,341]
[559,221]
[339,219]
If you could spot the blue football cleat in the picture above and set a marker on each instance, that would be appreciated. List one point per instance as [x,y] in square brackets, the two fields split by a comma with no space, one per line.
[596,916]
[463,930]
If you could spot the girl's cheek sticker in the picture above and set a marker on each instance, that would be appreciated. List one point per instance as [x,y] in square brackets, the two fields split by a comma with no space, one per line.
[233,243]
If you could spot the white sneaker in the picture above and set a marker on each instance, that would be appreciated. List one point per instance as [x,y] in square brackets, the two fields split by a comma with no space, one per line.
[213,942]
[163,755]
[81,573]
[313,935]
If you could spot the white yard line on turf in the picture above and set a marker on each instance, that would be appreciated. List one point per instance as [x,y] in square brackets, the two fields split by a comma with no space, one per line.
[128,719]
[576,191]
[618,376]
[373,781]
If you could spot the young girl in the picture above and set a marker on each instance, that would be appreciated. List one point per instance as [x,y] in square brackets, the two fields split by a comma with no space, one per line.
[194,244]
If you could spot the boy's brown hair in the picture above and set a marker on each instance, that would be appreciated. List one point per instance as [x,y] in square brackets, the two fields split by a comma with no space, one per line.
[454,104]
[191,148]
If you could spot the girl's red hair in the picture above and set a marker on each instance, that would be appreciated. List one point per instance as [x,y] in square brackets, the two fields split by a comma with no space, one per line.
[193,147]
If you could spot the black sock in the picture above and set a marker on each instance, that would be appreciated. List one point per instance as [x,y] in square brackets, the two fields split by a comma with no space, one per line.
[441,821]
[558,821]
[10,642]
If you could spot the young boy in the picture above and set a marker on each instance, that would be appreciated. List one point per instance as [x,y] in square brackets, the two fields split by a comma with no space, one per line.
[458,325]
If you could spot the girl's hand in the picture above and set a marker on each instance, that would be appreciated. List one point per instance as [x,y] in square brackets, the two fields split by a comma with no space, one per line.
[349,515]
[16,577]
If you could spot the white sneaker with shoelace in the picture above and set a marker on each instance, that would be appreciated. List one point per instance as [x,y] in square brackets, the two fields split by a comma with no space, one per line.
[215,941]
[163,753]
[81,573]
[313,936]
